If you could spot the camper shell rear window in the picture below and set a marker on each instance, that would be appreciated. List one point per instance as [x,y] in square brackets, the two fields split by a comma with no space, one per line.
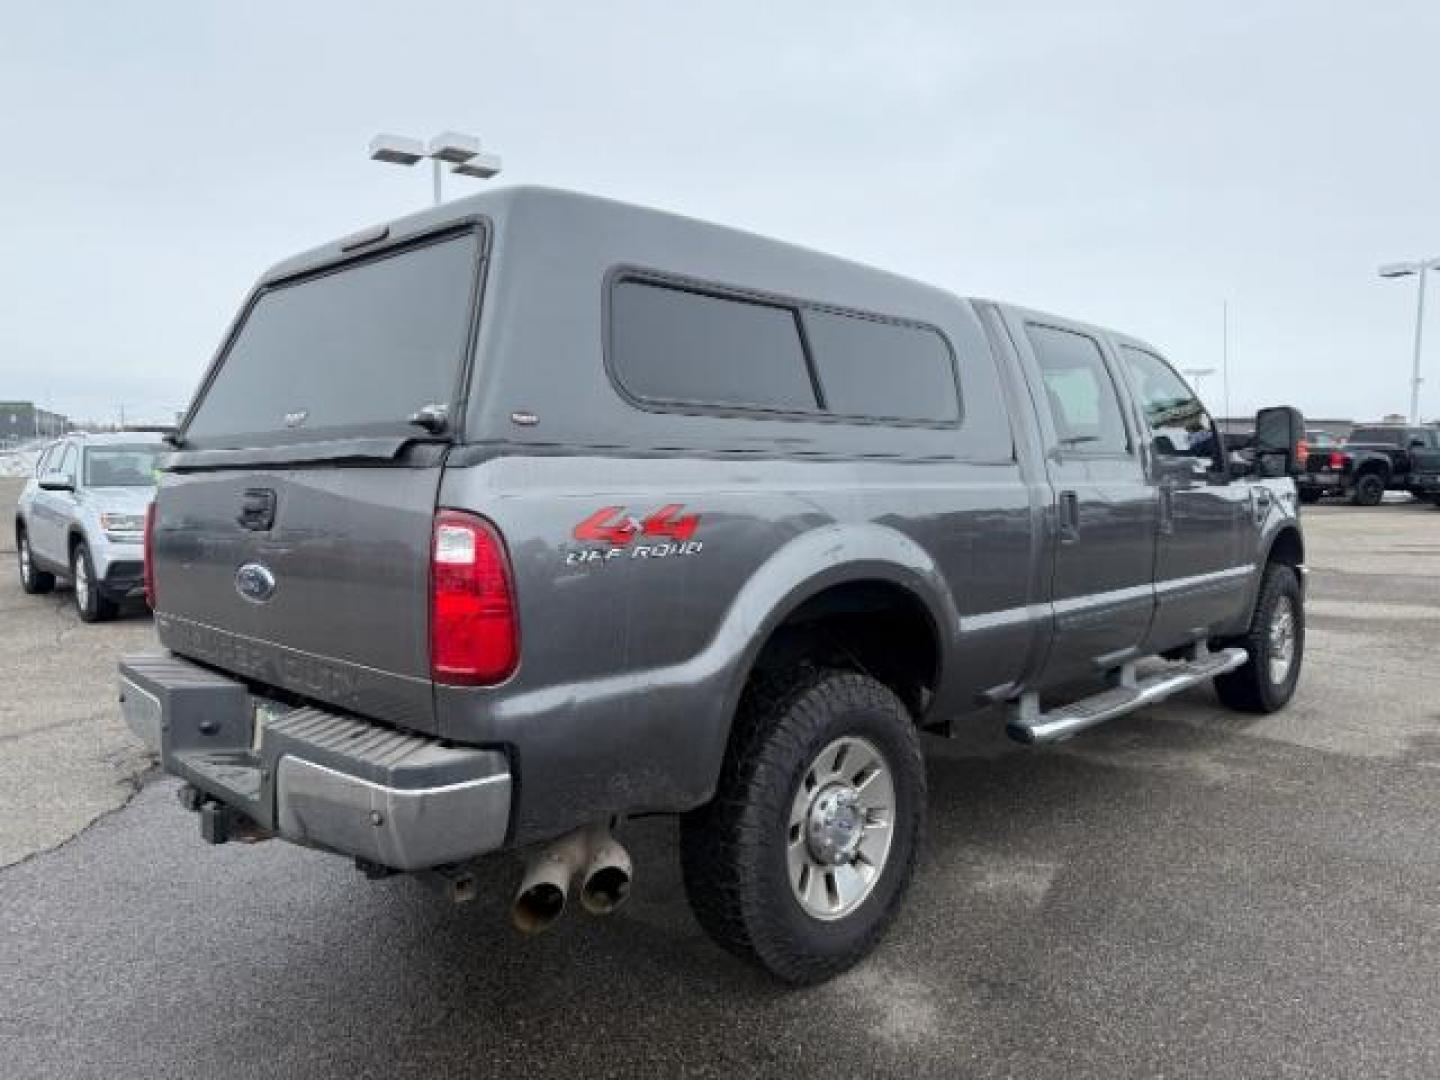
[355,349]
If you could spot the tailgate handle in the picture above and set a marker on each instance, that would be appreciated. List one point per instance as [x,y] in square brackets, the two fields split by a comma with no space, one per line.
[257,509]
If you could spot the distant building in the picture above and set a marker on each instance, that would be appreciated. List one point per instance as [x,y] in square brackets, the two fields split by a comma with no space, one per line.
[21,421]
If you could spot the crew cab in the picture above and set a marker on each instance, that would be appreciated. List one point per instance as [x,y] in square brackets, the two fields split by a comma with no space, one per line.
[1374,459]
[499,524]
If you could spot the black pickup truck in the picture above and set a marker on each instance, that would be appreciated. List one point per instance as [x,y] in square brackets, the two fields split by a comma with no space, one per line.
[1375,459]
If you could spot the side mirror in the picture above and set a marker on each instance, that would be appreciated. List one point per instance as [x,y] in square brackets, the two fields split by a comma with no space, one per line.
[56,481]
[1280,448]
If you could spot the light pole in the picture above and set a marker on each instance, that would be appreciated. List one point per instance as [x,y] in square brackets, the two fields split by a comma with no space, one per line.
[461,151]
[1419,268]
[1195,374]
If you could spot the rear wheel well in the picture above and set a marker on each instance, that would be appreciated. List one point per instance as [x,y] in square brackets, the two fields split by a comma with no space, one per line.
[1375,465]
[875,627]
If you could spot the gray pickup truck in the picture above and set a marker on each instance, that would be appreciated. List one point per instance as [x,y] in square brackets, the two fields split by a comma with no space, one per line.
[495,526]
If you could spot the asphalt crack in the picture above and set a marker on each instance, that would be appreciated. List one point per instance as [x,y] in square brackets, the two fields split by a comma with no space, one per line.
[136,783]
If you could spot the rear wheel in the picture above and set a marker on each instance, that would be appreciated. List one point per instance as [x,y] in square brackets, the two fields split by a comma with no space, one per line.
[803,858]
[33,580]
[1369,490]
[90,604]
[1275,644]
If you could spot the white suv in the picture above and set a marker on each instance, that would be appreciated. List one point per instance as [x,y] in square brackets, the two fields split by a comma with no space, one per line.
[82,516]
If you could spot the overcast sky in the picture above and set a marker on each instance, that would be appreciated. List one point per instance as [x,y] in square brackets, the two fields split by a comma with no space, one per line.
[1133,164]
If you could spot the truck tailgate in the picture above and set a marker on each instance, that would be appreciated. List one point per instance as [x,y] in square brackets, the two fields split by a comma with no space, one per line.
[330,601]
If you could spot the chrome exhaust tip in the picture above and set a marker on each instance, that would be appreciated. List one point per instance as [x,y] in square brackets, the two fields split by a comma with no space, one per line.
[590,856]
[545,888]
[605,884]
[538,907]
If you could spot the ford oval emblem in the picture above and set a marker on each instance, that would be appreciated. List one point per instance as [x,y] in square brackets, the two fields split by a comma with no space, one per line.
[255,582]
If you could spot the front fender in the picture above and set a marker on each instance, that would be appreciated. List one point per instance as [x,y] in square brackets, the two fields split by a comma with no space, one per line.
[1280,537]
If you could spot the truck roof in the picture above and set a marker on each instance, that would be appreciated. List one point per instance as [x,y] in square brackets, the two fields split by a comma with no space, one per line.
[555,218]
[563,211]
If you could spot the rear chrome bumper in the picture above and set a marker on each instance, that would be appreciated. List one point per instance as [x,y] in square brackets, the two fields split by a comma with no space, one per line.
[318,778]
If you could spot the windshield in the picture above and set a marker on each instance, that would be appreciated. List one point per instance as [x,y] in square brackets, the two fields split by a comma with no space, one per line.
[120,466]
[363,347]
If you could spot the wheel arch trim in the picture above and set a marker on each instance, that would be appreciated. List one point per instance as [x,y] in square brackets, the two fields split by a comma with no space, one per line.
[808,566]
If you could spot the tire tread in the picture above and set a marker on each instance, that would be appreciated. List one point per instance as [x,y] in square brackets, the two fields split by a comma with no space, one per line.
[1247,688]
[781,716]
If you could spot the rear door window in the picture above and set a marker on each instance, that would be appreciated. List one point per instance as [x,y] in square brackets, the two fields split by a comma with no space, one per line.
[1081,395]
[361,348]
[676,346]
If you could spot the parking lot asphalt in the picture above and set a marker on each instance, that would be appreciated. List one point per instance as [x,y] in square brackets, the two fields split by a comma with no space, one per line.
[1184,892]
[65,756]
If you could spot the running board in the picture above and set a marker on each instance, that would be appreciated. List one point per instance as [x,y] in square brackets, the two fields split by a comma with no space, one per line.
[1029,725]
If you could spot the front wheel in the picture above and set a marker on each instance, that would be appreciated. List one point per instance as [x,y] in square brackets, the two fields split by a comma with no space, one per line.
[803,858]
[90,604]
[1275,644]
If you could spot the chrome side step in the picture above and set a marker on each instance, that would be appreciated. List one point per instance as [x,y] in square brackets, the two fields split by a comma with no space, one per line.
[1028,724]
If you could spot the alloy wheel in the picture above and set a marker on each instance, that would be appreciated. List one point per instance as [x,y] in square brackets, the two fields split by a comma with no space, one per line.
[82,581]
[841,822]
[1280,641]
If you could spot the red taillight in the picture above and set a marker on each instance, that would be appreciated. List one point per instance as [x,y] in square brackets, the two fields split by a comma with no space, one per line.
[1337,460]
[150,555]
[1302,453]
[474,637]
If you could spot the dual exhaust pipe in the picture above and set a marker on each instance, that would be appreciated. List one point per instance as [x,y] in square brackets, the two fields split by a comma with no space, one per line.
[590,861]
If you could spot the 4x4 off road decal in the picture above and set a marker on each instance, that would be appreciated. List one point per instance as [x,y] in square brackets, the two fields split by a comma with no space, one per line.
[618,534]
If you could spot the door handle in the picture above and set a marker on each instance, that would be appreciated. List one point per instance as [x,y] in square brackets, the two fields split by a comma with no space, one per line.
[1068,506]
